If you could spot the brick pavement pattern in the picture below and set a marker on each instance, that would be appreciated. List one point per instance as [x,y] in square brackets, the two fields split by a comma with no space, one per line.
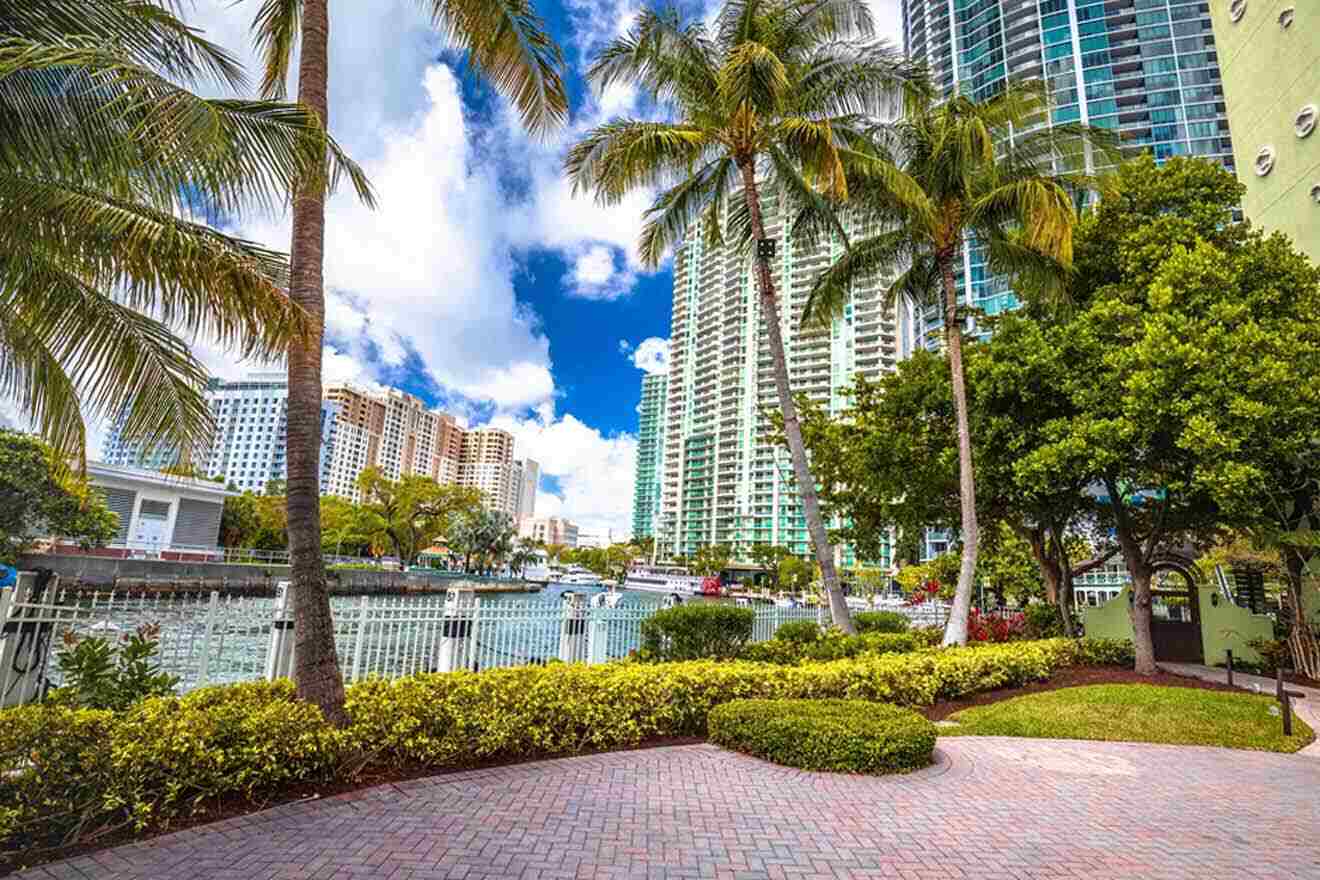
[991,808]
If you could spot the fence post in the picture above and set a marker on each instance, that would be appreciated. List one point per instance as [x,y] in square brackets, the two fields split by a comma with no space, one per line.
[204,669]
[573,629]
[598,632]
[279,662]
[359,644]
[28,634]
[456,629]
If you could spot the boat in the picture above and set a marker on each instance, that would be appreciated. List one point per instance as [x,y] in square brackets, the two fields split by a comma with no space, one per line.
[670,582]
[574,575]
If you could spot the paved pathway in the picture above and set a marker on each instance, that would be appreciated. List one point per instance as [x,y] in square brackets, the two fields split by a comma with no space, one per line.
[1308,708]
[992,808]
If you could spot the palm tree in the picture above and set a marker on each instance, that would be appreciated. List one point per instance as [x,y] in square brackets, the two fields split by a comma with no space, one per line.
[105,155]
[505,40]
[771,93]
[921,186]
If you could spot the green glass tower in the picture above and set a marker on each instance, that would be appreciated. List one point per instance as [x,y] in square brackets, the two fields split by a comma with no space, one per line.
[650,454]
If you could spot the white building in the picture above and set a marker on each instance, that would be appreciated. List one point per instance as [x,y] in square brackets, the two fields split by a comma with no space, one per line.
[595,537]
[549,530]
[158,512]
[526,479]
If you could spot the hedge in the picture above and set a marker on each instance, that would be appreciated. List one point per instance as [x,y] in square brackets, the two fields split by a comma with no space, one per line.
[66,771]
[880,622]
[830,645]
[696,631]
[849,736]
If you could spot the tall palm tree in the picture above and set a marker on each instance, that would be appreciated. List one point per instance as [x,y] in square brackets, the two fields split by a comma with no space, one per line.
[921,186]
[769,95]
[105,154]
[506,41]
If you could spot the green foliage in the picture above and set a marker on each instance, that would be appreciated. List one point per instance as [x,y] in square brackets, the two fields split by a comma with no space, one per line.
[881,622]
[846,736]
[711,559]
[483,537]
[795,574]
[1273,654]
[1043,621]
[66,772]
[830,645]
[697,630]
[40,496]
[1137,713]
[408,514]
[799,632]
[99,674]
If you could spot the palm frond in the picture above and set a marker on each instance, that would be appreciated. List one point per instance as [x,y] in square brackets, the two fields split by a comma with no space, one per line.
[663,57]
[146,32]
[753,77]
[31,376]
[668,219]
[275,30]
[618,157]
[508,42]
[865,262]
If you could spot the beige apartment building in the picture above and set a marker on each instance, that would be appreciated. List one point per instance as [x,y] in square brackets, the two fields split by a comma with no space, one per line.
[549,530]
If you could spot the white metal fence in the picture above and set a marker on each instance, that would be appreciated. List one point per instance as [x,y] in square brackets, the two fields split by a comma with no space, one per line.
[210,638]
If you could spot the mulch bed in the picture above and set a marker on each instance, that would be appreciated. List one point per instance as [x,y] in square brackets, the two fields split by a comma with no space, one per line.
[1072,676]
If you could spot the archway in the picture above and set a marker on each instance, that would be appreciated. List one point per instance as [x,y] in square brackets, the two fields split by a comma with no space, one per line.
[1175,625]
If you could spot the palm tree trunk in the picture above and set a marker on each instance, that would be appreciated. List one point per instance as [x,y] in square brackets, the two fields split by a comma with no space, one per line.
[792,430]
[316,668]
[955,633]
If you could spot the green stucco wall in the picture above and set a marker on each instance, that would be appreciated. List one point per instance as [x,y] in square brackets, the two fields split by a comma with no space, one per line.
[1222,627]
[1270,73]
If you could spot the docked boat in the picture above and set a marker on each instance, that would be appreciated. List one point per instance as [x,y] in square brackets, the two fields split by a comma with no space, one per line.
[574,575]
[670,582]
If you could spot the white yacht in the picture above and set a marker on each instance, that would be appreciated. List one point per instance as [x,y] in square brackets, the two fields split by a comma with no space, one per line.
[574,575]
[670,581]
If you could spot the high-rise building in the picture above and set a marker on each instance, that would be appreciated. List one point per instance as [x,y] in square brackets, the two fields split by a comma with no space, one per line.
[1147,69]
[601,538]
[650,454]
[1268,51]
[549,530]
[722,480]
[526,480]
[487,464]
[247,447]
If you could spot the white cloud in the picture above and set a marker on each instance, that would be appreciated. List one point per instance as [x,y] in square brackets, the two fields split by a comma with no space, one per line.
[595,275]
[594,471]
[652,355]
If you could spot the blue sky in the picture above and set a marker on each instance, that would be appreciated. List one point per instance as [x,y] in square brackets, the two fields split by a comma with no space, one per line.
[481,283]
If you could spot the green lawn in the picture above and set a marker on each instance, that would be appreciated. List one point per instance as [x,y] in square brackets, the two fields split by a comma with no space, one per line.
[1137,713]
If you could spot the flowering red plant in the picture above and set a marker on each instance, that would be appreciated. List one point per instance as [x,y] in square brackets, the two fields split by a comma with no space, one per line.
[925,592]
[996,627]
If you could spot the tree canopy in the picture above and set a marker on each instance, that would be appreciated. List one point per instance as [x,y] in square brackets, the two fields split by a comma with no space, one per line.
[40,496]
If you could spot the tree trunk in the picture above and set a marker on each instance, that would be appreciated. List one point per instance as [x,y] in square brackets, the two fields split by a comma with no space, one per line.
[316,668]
[1302,640]
[1067,594]
[792,430]
[1139,571]
[955,633]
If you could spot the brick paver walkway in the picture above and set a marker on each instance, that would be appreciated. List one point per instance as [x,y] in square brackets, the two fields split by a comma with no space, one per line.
[991,808]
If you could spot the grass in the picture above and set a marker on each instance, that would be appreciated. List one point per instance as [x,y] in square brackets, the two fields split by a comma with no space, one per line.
[1137,713]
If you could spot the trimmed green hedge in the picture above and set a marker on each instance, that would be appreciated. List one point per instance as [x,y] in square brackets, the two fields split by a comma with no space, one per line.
[831,645]
[697,631]
[63,769]
[880,622]
[799,631]
[849,736]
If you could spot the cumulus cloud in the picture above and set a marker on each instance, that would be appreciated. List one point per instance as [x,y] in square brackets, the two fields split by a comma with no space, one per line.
[594,471]
[651,355]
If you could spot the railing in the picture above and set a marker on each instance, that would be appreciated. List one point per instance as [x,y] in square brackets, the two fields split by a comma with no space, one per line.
[208,638]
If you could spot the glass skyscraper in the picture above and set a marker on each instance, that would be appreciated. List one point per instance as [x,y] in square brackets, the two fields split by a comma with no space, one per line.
[1147,69]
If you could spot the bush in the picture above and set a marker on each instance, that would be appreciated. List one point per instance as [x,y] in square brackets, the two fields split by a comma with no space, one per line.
[799,632]
[696,631]
[1043,621]
[996,627]
[831,645]
[850,736]
[66,771]
[880,622]
[101,675]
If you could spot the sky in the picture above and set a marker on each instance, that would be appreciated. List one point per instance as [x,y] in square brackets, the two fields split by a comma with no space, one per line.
[480,283]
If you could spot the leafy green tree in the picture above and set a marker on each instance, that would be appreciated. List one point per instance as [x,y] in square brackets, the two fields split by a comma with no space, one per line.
[795,574]
[106,153]
[944,171]
[711,559]
[412,512]
[1199,367]
[769,95]
[348,528]
[1007,568]
[506,42]
[239,521]
[484,536]
[40,496]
